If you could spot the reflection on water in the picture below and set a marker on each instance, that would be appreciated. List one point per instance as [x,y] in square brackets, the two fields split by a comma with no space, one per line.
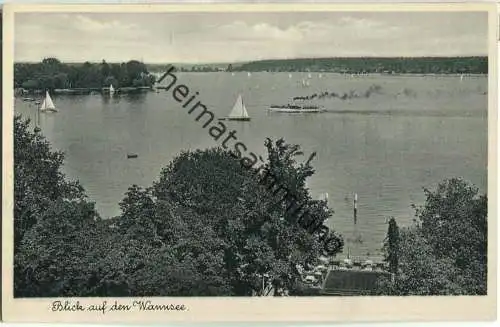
[414,132]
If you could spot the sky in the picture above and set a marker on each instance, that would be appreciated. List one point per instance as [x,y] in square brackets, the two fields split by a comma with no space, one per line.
[233,37]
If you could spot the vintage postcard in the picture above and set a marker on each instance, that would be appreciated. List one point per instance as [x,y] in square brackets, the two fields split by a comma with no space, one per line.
[253,163]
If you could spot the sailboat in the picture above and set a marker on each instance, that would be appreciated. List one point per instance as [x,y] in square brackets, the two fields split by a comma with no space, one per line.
[239,111]
[47,104]
[111,89]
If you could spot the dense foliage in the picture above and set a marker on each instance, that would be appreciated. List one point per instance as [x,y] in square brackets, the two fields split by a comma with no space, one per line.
[52,74]
[206,227]
[418,65]
[51,217]
[445,252]
[391,246]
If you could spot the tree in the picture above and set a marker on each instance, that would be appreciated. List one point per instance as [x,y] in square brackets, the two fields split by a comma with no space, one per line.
[105,69]
[183,255]
[51,73]
[240,223]
[135,69]
[110,80]
[445,252]
[454,221]
[61,80]
[50,213]
[50,66]
[391,246]
[136,82]
[207,227]
[38,179]
[30,84]
[52,259]
[420,271]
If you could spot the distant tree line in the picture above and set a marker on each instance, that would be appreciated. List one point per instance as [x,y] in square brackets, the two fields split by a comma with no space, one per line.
[417,65]
[52,74]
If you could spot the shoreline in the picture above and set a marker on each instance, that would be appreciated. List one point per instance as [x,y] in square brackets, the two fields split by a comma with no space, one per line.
[128,90]
[85,90]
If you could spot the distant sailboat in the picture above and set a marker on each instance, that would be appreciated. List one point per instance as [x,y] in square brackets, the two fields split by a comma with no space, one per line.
[320,76]
[48,104]
[289,75]
[309,76]
[172,38]
[239,111]
[111,89]
[249,74]
[305,83]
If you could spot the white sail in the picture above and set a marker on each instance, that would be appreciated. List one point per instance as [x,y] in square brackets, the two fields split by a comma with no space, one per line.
[47,103]
[289,75]
[239,110]
[111,89]
[249,74]
[309,76]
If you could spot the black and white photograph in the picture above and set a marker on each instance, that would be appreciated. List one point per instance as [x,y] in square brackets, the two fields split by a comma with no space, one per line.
[284,154]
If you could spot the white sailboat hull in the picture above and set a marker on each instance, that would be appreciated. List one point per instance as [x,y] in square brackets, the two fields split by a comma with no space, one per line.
[296,110]
[48,110]
[236,118]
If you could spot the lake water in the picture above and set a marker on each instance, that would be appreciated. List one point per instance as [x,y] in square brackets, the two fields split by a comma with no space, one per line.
[412,133]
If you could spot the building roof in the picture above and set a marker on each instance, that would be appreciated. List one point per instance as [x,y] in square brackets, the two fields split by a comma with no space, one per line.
[352,282]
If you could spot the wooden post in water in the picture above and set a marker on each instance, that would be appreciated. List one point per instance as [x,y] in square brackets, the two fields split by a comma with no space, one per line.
[37,116]
[355,208]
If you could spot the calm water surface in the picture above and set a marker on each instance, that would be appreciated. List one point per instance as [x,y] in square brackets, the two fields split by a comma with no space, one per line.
[386,147]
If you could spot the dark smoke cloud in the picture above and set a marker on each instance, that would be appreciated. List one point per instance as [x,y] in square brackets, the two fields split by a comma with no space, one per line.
[373,89]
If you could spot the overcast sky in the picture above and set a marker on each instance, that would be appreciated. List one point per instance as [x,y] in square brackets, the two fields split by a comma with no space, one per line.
[227,37]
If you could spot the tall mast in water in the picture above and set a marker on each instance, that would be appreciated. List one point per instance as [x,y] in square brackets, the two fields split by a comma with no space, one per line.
[38,116]
[355,208]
